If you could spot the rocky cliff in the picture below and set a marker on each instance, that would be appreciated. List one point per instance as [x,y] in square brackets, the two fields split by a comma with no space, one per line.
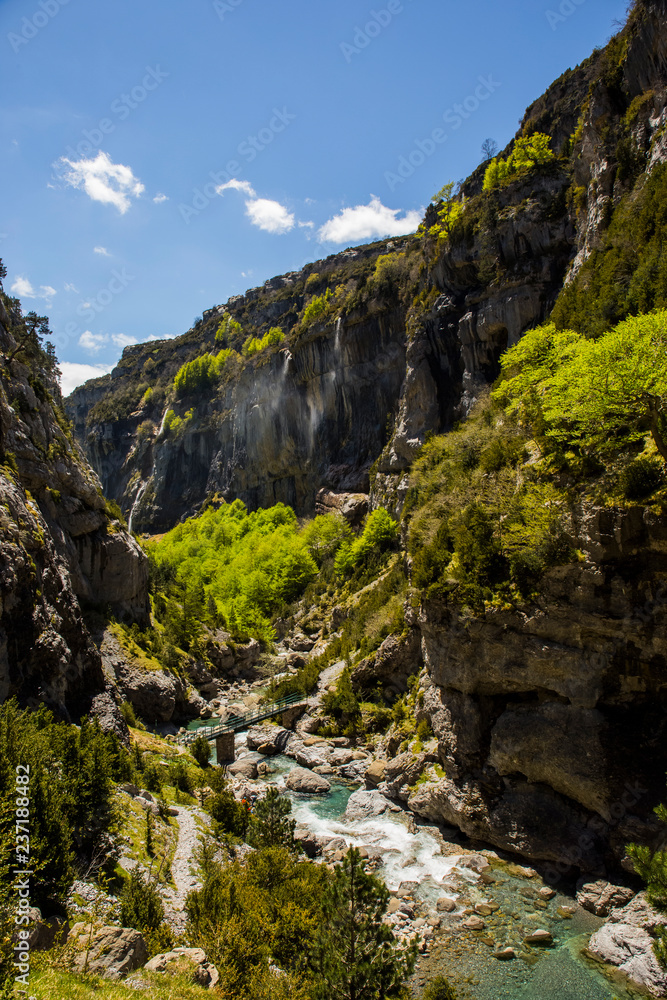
[550,721]
[61,548]
[414,328]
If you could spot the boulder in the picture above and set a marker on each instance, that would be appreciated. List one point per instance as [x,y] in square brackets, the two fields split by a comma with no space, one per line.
[630,949]
[602,897]
[273,737]
[111,952]
[364,804]
[445,905]
[183,960]
[308,841]
[300,779]
[474,924]
[301,643]
[639,913]
[152,693]
[246,767]
[376,773]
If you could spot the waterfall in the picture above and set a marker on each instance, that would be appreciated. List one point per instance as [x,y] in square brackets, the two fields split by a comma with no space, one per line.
[137,501]
[339,324]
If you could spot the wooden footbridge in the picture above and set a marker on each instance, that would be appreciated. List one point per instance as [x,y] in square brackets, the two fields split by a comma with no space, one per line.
[223,732]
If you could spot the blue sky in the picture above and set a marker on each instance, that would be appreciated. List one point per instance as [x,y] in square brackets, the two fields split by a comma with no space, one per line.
[158,157]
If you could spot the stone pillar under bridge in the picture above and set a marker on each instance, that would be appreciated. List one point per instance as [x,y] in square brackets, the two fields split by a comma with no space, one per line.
[224,748]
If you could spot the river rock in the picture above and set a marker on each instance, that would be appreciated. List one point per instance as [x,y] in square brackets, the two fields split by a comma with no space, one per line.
[191,960]
[300,779]
[474,924]
[300,643]
[272,737]
[505,954]
[308,841]
[364,804]
[546,893]
[602,897]
[630,949]
[112,952]
[445,905]
[376,773]
[246,767]
[539,937]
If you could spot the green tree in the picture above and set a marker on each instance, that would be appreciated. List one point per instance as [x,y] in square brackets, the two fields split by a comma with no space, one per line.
[450,209]
[589,390]
[651,866]
[271,824]
[200,748]
[356,954]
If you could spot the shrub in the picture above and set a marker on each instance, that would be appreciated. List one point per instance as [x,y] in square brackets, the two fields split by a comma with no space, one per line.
[379,535]
[140,903]
[642,478]
[439,989]
[200,749]
[253,345]
[527,154]
[127,711]
[317,308]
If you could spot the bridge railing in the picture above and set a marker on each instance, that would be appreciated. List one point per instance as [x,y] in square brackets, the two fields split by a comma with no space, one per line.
[237,722]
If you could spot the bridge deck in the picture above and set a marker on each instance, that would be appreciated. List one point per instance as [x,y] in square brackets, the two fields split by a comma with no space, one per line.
[238,722]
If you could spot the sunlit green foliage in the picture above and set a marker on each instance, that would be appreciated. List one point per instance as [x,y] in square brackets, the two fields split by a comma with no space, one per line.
[229,332]
[201,374]
[248,566]
[371,548]
[253,345]
[449,212]
[317,308]
[271,823]
[591,394]
[528,153]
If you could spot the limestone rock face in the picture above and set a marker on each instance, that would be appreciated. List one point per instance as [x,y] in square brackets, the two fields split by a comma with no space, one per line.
[58,545]
[113,952]
[630,949]
[601,897]
[392,664]
[548,721]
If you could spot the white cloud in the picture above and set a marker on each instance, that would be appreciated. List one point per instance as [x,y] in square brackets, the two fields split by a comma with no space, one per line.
[92,342]
[123,339]
[24,289]
[160,198]
[268,215]
[71,288]
[75,374]
[102,180]
[235,185]
[306,225]
[102,250]
[368,221]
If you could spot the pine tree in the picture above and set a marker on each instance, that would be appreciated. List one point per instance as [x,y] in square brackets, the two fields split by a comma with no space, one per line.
[651,865]
[356,954]
[272,825]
